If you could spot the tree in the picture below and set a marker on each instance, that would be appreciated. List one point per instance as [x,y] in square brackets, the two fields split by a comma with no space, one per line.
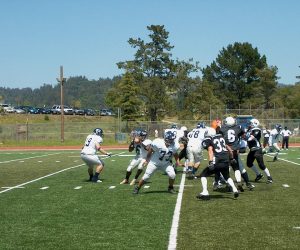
[233,71]
[153,69]
[266,86]
[124,95]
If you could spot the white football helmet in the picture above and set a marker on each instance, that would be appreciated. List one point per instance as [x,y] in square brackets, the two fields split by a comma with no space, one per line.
[210,132]
[229,121]
[183,128]
[254,123]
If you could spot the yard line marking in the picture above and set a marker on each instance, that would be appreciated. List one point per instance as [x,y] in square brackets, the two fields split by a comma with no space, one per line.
[125,155]
[286,160]
[112,187]
[48,175]
[10,187]
[146,186]
[28,158]
[285,185]
[174,228]
[296,227]
[43,188]
[78,187]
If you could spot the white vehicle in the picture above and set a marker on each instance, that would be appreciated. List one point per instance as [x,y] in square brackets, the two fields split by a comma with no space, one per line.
[6,107]
[56,109]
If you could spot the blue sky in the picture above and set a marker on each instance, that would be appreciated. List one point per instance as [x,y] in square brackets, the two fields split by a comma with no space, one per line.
[88,37]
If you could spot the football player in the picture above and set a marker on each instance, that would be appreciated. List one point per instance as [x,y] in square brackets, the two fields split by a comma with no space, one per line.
[218,156]
[274,139]
[194,148]
[233,134]
[255,153]
[160,157]
[141,146]
[89,154]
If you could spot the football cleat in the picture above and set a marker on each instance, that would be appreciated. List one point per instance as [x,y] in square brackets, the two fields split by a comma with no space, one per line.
[171,191]
[136,190]
[258,177]
[250,186]
[236,194]
[275,158]
[200,196]
[270,180]
[96,181]
[134,181]
[124,181]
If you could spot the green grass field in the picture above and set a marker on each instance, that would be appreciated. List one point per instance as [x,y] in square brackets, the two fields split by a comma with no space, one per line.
[46,203]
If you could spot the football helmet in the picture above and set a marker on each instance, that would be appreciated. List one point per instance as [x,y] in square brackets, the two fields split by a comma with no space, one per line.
[230,121]
[214,124]
[142,133]
[98,131]
[278,127]
[254,123]
[210,132]
[183,128]
[201,125]
[169,137]
[174,126]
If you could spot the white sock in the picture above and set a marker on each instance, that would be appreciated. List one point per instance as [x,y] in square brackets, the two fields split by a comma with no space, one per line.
[267,172]
[230,182]
[204,185]
[238,176]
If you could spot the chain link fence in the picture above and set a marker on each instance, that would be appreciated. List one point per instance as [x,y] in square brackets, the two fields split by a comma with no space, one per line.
[114,132]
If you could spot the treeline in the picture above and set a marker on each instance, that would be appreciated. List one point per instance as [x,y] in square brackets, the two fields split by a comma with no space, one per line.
[78,92]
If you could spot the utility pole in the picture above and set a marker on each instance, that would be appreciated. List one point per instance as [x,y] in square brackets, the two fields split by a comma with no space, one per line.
[298,77]
[61,80]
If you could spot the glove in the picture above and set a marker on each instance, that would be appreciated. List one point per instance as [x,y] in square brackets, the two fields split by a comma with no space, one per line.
[211,166]
[233,162]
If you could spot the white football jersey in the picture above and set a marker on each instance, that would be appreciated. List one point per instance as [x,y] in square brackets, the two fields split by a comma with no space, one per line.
[274,136]
[196,136]
[162,155]
[144,152]
[91,141]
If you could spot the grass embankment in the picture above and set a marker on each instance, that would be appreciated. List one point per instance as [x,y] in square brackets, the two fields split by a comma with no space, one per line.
[49,132]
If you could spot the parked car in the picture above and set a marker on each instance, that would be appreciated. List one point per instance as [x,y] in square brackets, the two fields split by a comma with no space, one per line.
[90,112]
[56,109]
[34,111]
[19,110]
[45,110]
[78,111]
[106,112]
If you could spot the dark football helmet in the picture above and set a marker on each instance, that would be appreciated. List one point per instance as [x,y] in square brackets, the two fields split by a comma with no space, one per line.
[142,133]
[278,127]
[174,126]
[98,131]
[169,137]
[201,125]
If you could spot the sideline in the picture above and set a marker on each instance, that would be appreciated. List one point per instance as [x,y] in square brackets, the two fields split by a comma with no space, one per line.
[46,176]
[175,223]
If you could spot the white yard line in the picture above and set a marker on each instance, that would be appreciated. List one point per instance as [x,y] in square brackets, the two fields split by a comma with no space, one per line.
[285,160]
[28,158]
[174,228]
[48,175]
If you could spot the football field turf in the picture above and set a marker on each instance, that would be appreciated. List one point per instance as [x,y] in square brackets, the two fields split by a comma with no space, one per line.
[46,202]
